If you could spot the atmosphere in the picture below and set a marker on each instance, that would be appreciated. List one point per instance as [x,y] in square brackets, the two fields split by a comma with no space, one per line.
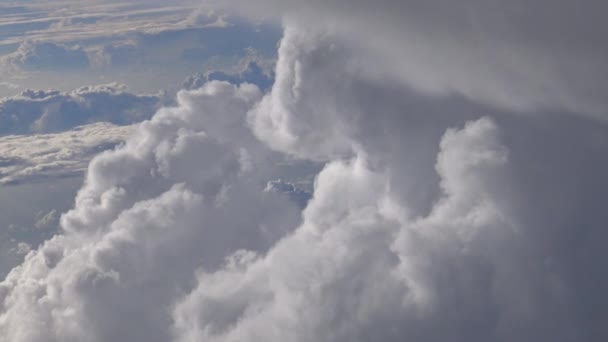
[265,170]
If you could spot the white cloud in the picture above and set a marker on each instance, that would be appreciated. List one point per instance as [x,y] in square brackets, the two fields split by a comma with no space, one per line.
[515,54]
[428,221]
[173,185]
[36,157]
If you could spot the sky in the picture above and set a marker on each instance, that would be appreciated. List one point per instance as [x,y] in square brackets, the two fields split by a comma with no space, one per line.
[264,170]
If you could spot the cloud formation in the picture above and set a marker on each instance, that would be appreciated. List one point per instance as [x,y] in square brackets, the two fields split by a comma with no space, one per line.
[50,111]
[437,216]
[47,56]
[252,69]
[26,158]
[523,55]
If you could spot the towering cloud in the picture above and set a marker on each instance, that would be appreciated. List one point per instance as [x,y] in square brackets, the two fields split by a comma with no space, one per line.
[520,54]
[185,192]
[441,213]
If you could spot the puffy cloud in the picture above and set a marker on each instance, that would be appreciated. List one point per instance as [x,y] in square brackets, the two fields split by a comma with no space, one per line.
[176,184]
[254,69]
[389,251]
[53,111]
[434,218]
[357,268]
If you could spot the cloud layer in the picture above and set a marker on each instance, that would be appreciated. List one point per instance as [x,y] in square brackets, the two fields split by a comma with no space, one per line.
[50,111]
[27,158]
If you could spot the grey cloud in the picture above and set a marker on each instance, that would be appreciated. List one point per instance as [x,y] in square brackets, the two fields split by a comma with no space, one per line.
[252,70]
[47,220]
[522,55]
[187,210]
[194,45]
[47,56]
[28,158]
[436,217]
[486,255]
[53,111]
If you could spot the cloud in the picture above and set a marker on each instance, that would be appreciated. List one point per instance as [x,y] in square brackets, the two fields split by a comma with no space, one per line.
[48,220]
[352,261]
[47,46]
[22,248]
[27,158]
[94,20]
[513,54]
[437,215]
[9,85]
[47,56]
[158,175]
[252,70]
[54,111]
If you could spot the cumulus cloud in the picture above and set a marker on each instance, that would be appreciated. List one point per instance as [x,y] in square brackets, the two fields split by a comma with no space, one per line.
[186,208]
[253,69]
[40,111]
[435,217]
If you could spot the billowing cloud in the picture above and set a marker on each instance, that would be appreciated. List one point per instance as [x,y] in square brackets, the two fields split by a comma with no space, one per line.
[42,111]
[182,207]
[438,215]
[523,55]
